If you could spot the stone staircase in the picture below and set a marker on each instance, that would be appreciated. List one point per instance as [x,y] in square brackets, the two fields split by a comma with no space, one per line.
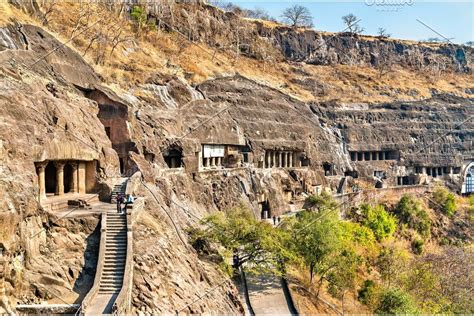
[115,254]
[118,189]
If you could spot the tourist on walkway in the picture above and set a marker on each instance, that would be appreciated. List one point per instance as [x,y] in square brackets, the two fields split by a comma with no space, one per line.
[120,200]
[130,200]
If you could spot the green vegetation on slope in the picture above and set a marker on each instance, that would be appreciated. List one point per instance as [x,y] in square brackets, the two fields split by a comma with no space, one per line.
[341,257]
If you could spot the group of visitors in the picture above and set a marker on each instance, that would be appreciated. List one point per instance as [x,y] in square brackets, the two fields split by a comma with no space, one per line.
[129,199]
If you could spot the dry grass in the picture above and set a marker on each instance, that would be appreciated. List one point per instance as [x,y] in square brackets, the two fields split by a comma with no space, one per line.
[307,302]
[168,53]
[9,13]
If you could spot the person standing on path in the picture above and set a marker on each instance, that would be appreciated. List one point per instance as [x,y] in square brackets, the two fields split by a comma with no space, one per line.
[120,200]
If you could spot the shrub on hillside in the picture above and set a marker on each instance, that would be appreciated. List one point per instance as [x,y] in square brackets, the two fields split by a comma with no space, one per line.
[320,202]
[379,221]
[445,200]
[410,211]
[368,294]
[395,301]
[417,246]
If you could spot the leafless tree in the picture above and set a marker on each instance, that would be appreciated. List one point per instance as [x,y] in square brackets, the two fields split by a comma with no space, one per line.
[298,16]
[352,24]
[384,61]
[383,33]
[48,7]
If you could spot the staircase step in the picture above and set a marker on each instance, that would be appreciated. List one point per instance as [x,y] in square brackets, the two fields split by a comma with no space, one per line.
[112,277]
[112,282]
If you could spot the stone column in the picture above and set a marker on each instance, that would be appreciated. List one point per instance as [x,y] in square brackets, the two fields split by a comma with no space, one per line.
[273,159]
[288,159]
[423,170]
[283,160]
[450,169]
[81,177]
[74,188]
[363,156]
[384,155]
[42,179]
[59,177]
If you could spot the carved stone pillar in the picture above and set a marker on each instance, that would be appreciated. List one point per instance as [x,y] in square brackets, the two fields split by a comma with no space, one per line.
[273,159]
[74,186]
[42,179]
[81,177]
[279,159]
[290,159]
[283,159]
[59,177]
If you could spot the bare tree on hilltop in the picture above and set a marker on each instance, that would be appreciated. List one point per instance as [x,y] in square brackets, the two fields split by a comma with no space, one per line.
[352,24]
[298,16]
[383,33]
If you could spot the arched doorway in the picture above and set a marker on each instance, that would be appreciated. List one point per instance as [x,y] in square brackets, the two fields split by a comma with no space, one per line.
[468,185]
[50,178]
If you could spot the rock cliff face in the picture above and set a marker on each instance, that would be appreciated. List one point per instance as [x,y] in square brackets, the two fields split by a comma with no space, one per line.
[213,26]
[226,143]
[329,49]
[48,112]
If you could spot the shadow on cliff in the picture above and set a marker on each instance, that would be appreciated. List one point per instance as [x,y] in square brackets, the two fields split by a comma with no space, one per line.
[85,278]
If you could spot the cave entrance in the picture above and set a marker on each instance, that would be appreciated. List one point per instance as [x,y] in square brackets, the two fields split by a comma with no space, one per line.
[174,158]
[265,209]
[122,165]
[328,169]
[68,178]
[50,178]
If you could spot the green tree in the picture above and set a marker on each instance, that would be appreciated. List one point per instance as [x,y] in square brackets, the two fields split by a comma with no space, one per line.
[344,274]
[410,211]
[321,202]
[391,264]
[139,16]
[369,294]
[379,221]
[445,200]
[245,239]
[316,239]
[395,301]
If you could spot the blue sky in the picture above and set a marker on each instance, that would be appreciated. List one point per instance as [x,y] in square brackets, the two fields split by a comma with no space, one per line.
[453,19]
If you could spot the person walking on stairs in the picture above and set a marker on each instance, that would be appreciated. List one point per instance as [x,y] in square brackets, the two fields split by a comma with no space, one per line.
[120,201]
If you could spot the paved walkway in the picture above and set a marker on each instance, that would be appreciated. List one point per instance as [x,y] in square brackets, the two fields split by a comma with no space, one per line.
[96,208]
[102,304]
[267,295]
